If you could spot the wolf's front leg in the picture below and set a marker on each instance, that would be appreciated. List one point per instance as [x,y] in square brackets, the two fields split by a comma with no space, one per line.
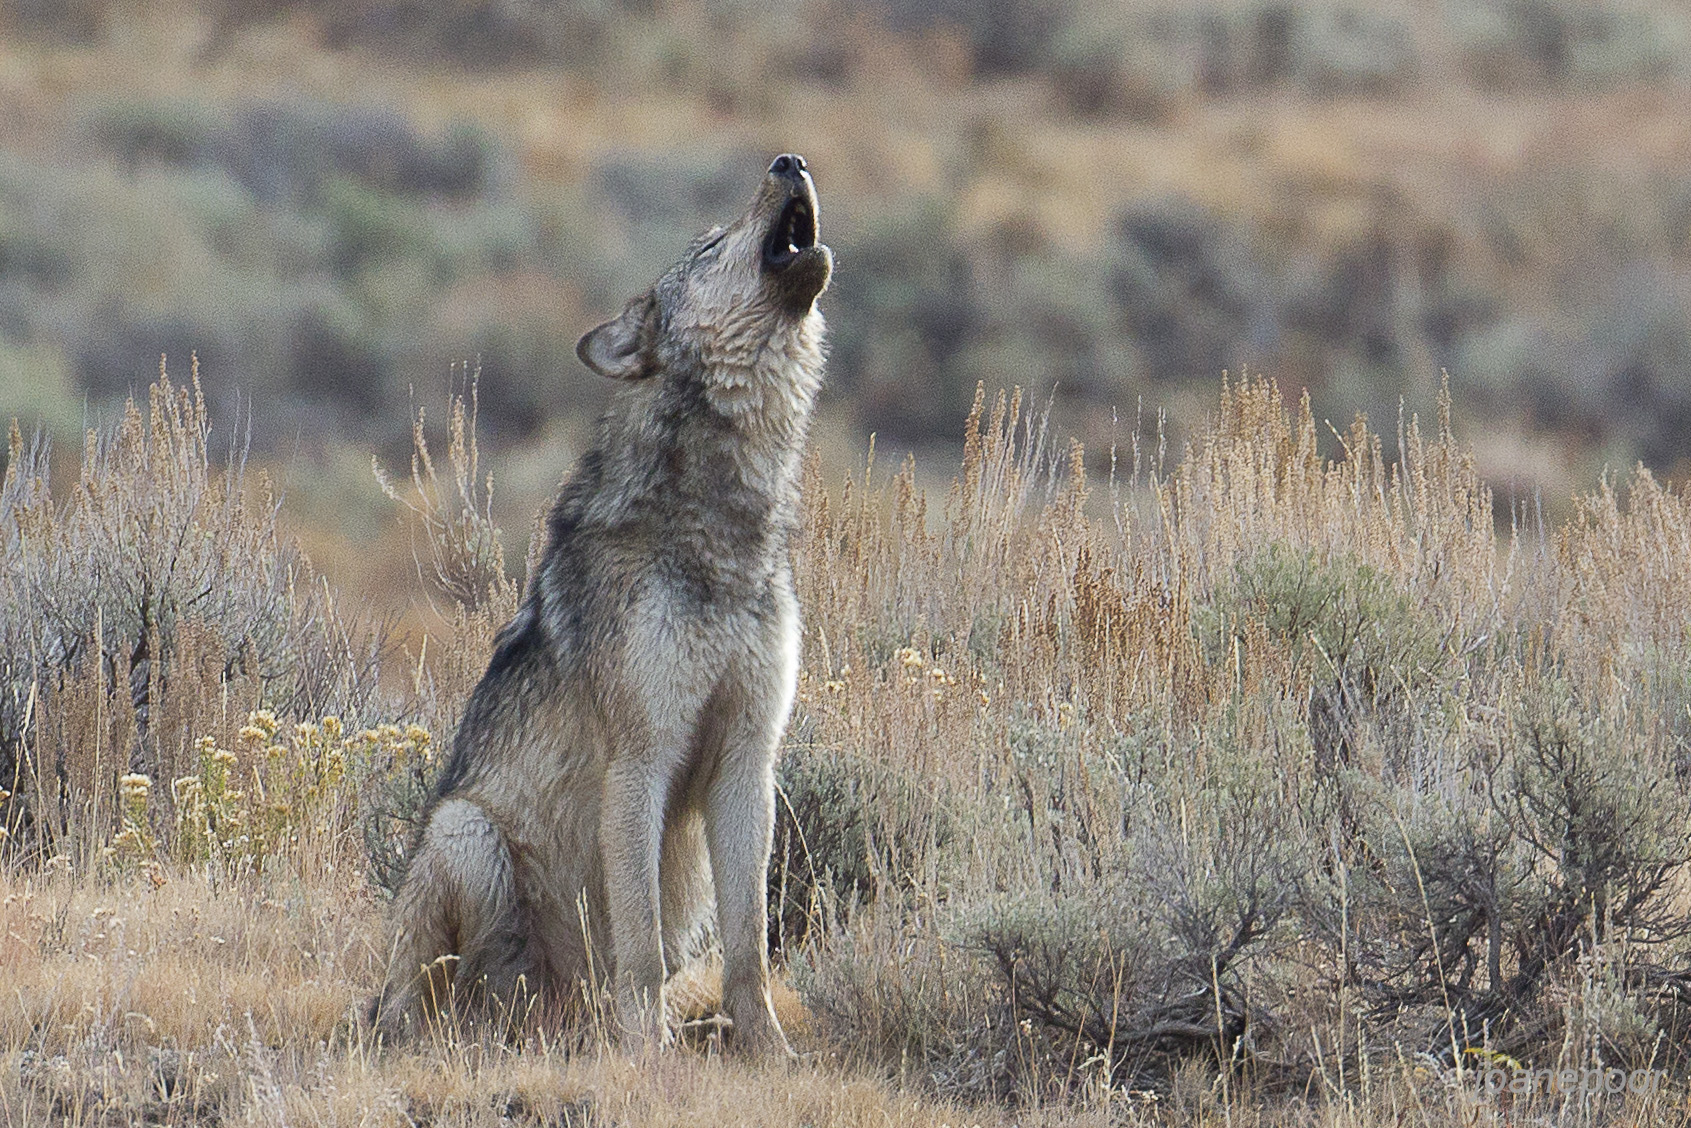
[630,837]
[739,824]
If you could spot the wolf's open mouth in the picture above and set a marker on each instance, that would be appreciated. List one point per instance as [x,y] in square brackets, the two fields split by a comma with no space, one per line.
[794,231]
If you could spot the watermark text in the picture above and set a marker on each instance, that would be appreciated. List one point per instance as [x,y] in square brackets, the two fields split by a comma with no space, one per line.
[1496,1080]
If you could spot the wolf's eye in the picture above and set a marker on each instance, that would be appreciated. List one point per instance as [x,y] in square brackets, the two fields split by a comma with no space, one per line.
[709,241]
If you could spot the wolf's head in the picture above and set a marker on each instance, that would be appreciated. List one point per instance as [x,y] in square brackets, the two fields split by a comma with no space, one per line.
[731,292]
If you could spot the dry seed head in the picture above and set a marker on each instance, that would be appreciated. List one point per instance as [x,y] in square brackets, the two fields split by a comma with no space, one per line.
[135,786]
[224,756]
[911,658]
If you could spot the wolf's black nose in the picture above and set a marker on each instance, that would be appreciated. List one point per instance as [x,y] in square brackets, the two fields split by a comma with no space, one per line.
[787,164]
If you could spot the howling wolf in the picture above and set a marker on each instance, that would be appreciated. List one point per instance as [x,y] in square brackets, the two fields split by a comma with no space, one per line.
[615,764]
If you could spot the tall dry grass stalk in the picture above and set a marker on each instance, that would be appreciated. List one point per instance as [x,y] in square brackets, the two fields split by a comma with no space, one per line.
[459,552]
[1270,786]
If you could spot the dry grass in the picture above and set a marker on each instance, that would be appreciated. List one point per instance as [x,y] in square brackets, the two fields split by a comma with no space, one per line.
[1265,785]
[204,1001]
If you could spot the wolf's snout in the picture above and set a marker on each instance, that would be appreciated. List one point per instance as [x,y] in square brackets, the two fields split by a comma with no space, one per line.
[791,236]
[793,230]
[792,255]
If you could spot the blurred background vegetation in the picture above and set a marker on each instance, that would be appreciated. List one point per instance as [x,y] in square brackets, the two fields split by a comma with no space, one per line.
[332,203]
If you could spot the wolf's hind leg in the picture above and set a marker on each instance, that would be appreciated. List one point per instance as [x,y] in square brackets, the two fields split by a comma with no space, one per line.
[460,922]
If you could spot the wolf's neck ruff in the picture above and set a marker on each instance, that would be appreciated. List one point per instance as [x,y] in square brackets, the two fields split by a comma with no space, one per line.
[703,462]
[768,399]
[771,384]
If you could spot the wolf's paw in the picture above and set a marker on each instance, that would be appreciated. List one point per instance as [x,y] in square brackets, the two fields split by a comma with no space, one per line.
[389,1028]
[762,1041]
[640,1028]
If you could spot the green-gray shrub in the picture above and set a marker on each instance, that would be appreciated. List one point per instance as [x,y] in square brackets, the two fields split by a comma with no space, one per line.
[1469,894]
[1100,913]
[845,831]
[1360,644]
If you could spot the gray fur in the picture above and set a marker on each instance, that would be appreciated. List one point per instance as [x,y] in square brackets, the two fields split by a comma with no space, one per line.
[615,763]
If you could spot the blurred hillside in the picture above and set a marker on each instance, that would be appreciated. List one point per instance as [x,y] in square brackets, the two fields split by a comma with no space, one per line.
[331,202]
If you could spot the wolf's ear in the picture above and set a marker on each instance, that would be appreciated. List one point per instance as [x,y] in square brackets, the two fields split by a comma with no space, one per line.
[618,347]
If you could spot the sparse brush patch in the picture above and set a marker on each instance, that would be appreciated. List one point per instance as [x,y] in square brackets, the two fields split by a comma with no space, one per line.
[150,604]
[846,829]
